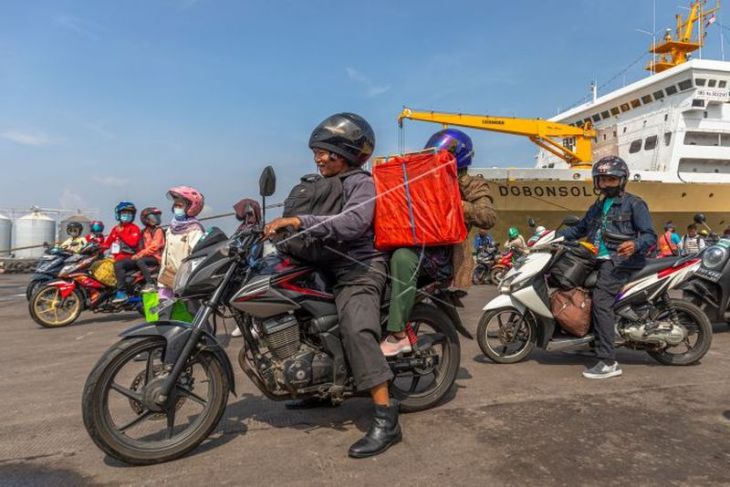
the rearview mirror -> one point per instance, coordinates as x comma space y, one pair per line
531, 223
699, 218
571, 221
267, 182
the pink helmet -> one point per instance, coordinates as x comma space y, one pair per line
192, 196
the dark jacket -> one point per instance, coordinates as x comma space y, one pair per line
628, 216
353, 226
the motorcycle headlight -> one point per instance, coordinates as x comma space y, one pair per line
714, 257
183, 274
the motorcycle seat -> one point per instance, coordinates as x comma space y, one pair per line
655, 265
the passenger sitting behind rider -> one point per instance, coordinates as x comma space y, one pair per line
153, 241
341, 144
626, 215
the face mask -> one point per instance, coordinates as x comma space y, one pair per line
179, 213
126, 217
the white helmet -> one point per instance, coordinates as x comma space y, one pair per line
539, 230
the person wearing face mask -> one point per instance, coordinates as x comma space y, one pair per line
153, 241
183, 233
96, 234
614, 215
122, 243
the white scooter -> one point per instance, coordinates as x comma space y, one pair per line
672, 331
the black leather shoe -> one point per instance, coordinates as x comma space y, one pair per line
310, 403
384, 432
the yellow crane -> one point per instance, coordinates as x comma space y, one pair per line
575, 148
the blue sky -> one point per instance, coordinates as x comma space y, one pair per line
109, 100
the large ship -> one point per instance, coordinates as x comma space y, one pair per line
672, 128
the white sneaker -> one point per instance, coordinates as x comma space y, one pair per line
602, 370
236, 332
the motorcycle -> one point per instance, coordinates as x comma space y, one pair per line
672, 331
709, 287
47, 269
486, 257
60, 302
292, 349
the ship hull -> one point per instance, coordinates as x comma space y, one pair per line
549, 201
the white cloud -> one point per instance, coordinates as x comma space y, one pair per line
110, 181
72, 201
25, 138
371, 89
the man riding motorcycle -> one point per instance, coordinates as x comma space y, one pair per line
614, 215
341, 144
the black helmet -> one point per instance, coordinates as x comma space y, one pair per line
610, 166
347, 135
74, 228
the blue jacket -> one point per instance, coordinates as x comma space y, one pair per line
628, 216
485, 241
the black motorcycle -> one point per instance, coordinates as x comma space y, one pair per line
169, 404
486, 256
49, 265
709, 287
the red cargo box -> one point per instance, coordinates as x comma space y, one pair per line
418, 201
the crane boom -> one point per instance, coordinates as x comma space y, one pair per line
540, 132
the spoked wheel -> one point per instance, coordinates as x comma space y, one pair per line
120, 413
50, 310
497, 274
423, 387
699, 335
480, 275
506, 336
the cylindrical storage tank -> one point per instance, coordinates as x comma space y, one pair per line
34, 229
6, 226
83, 220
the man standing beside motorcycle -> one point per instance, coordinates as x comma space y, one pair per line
614, 216
341, 144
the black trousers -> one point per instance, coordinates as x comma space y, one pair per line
144, 264
121, 268
357, 295
610, 281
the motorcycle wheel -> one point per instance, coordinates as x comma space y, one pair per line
141, 436
49, 310
479, 274
436, 381
511, 340
497, 274
33, 287
698, 326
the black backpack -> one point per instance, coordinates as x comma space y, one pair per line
319, 196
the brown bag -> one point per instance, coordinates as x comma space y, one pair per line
572, 310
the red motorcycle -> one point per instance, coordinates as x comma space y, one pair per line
60, 302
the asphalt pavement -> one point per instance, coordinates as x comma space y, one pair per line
533, 423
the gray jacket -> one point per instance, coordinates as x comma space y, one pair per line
353, 226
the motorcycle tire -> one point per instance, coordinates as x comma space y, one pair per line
98, 421
39, 316
501, 357
34, 286
449, 361
497, 274
703, 328
480, 273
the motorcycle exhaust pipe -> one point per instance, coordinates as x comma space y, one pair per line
570, 344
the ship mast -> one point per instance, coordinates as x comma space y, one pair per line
674, 51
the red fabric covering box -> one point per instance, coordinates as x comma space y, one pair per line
418, 201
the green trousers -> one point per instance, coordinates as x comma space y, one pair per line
403, 278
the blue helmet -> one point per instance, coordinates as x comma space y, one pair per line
124, 206
456, 142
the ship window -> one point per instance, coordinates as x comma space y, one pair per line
658, 95
671, 90
700, 82
635, 146
587, 120
715, 166
604, 136
725, 140
580, 123
624, 131
596, 118
646, 99
614, 111
722, 84
698, 103
667, 138
666, 117
650, 143
685, 85
711, 83
605, 115
708, 139
635, 103
625, 107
